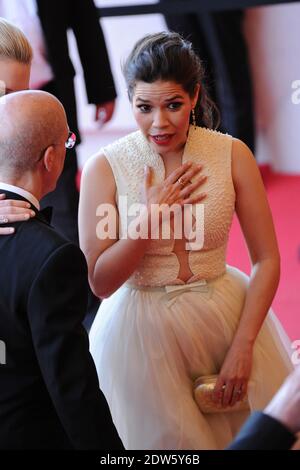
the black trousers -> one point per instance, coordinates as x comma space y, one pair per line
219, 40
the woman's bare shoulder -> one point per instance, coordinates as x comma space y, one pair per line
240, 151
97, 168
98, 161
243, 162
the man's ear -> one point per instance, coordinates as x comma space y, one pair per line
49, 158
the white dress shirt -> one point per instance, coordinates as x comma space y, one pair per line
22, 192
23, 13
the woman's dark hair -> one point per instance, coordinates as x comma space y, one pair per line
167, 56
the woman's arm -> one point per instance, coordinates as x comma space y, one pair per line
255, 217
111, 261
256, 221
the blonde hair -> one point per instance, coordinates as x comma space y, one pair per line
13, 43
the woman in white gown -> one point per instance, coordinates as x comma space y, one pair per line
172, 309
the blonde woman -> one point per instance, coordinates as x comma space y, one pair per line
15, 58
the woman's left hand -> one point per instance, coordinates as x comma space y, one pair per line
234, 375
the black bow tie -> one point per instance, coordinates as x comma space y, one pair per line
46, 214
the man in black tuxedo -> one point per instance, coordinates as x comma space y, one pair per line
49, 391
277, 426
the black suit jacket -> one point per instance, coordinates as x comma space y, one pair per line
81, 16
49, 391
261, 432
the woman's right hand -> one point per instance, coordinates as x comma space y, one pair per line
177, 188
13, 211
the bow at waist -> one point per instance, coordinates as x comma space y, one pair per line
172, 291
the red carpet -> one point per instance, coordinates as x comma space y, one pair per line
284, 198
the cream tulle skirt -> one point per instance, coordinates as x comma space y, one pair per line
149, 347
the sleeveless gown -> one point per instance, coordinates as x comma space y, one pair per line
156, 334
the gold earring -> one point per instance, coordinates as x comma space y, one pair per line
194, 118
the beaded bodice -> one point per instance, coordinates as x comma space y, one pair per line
160, 265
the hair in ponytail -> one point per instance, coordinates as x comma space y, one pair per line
167, 56
13, 43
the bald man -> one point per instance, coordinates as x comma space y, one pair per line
49, 391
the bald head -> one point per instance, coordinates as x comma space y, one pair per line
30, 121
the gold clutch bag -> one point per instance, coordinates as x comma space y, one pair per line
203, 390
